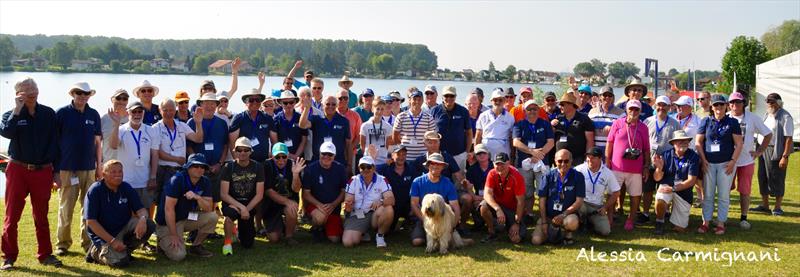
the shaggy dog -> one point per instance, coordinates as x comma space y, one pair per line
440, 223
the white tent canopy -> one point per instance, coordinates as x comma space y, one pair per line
780, 75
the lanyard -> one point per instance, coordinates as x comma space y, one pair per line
364, 192
138, 144
679, 164
560, 185
255, 124
685, 121
717, 129
377, 133
532, 128
172, 136
659, 129
595, 179
316, 104
285, 167
411, 116
631, 139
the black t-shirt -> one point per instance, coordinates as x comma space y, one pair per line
242, 180
574, 130
280, 180
477, 176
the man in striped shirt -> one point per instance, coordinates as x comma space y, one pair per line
411, 125
603, 115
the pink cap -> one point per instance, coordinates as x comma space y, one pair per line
633, 104
525, 89
736, 96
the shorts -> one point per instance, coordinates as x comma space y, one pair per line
680, 208
632, 182
273, 214
600, 223
744, 178
532, 180
146, 196
650, 185
333, 224
353, 223
510, 214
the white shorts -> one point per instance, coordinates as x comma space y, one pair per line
680, 208
632, 182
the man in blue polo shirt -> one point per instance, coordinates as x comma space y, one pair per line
399, 173
453, 123
323, 192
254, 125
79, 142
676, 172
145, 92
559, 201
533, 138
114, 233
331, 127
285, 128
215, 140
186, 205
431, 182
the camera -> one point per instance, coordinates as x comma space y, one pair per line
632, 153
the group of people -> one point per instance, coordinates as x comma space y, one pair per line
362, 162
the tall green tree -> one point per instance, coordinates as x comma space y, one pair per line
200, 64
384, 63
742, 56
163, 54
783, 39
598, 67
510, 71
61, 55
584, 69
7, 51
356, 62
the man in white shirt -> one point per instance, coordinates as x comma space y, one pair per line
600, 183
137, 146
368, 205
119, 100
751, 125
494, 126
172, 141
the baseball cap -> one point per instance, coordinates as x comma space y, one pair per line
366, 160
480, 148
773, 97
431, 88
550, 94
736, 96
498, 93
525, 89
718, 98
663, 99
308, 72
585, 88
135, 105
477, 91
684, 101
595, 151
501, 158
449, 90
368, 92
606, 89
280, 148
633, 104
416, 93
398, 148
327, 147
181, 96
528, 103
119, 92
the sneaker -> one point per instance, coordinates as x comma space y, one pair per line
227, 250
666, 216
149, 248
777, 212
51, 260
89, 259
365, 237
380, 242
642, 219
659, 228
760, 208
290, 242
464, 232
318, 235
199, 250
744, 225
7, 265
261, 233
629, 225
60, 252
489, 238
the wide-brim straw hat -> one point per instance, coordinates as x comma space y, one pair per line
145, 84
82, 86
569, 97
635, 83
254, 92
345, 79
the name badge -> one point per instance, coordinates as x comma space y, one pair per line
288, 143
411, 141
193, 216
359, 214
74, 180
714, 147
557, 207
532, 144
563, 139
328, 139
139, 162
254, 142
209, 146
480, 192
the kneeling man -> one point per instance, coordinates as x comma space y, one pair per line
368, 204
676, 173
559, 201
600, 183
504, 200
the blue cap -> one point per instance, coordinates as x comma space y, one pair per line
367, 92
585, 88
280, 148
416, 93
387, 98
718, 98
196, 159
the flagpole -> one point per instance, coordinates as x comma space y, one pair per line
694, 87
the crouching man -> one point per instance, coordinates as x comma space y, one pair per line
559, 201
185, 206
676, 173
109, 204
368, 203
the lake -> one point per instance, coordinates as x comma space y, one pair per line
53, 88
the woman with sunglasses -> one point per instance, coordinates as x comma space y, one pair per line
368, 204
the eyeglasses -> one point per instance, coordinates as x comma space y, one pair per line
125, 98
343, 98
330, 104
146, 90
242, 150
550, 100
288, 103
137, 111
316, 87
223, 100
280, 157
197, 166
701, 99
428, 93
253, 100
81, 93
532, 109
608, 96
562, 161
365, 166
327, 154
449, 96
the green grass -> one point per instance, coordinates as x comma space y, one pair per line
497, 259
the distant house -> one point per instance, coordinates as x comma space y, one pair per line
546, 77
224, 66
90, 64
160, 63
35, 62
468, 74
407, 73
179, 66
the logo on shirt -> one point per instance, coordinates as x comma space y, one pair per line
337, 127
123, 200
320, 179
456, 117
262, 126
89, 122
22, 122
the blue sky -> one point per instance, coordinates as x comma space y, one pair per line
464, 34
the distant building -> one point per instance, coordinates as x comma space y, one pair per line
224, 66
90, 64
35, 62
180, 66
160, 63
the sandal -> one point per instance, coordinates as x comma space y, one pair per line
703, 229
719, 230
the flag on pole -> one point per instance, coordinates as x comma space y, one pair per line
733, 89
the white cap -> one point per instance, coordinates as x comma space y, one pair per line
498, 93
327, 147
431, 88
684, 100
366, 160
663, 99
528, 103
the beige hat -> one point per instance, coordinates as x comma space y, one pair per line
635, 83
480, 148
449, 90
82, 86
679, 135
345, 79
243, 142
432, 135
208, 96
253, 92
570, 98
435, 158
145, 84
118, 93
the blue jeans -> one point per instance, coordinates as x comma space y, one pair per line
716, 182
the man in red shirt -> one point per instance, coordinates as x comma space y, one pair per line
504, 200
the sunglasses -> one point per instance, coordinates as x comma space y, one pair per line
197, 166
268, 106
365, 166
608, 95
718, 105
701, 99
449, 96
253, 100
288, 103
327, 154
146, 90
137, 111
510, 96
288, 83
342, 98
330, 104
637, 89
635, 110
532, 109
223, 100
280, 157
179, 103
242, 150
388, 101
550, 100
429, 93
562, 161
125, 98
316, 87
208, 88
81, 93
736, 102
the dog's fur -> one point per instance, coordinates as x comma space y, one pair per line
440, 223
